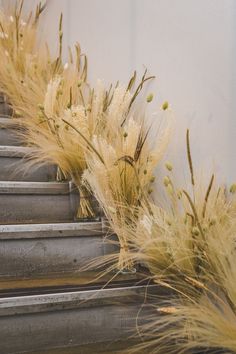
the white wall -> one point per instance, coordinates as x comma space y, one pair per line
188, 44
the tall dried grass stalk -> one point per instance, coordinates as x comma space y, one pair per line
189, 248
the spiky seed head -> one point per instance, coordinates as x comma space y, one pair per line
145, 172
149, 98
165, 106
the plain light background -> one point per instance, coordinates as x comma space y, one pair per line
189, 45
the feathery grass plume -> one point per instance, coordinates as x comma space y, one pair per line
18, 50
190, 249
201, 314
27, 65
120, 173
29, 72
92, 117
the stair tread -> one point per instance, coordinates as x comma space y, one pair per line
15, 187
52, 230
72, 299
7, 121
81, 279
14, 151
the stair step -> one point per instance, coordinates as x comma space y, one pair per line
56, 230
12, 166
37, 202
5, 108
31, 251
70, 282
66, 320
7, 134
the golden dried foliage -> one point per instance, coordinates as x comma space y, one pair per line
189, 248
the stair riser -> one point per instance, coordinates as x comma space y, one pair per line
47, 257
12, 170
68, 328
7, 137
5, 109
15, 208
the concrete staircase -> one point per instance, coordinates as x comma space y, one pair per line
47, 304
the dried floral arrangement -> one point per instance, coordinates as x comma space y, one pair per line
97, 137
102, 143
27, 65
189, 248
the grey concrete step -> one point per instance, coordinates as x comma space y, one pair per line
12, 166
5, 108
47, 250
70, 319
7, 134
37, 202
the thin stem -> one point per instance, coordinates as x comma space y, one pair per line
207, 195
190, 157
86, 140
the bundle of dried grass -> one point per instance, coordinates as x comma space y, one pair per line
96, 127
190, 249
121, 172
27, 65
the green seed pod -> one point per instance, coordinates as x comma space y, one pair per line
152, 179
166, 181
149, 98
195, 231
168, 222
169, 167
41, 107
233, 188
165, 106
179, 194
170, 189
89, 108
212, 222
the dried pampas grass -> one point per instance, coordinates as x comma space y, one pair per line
27, 66
189, 248
122, 174
97, 130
